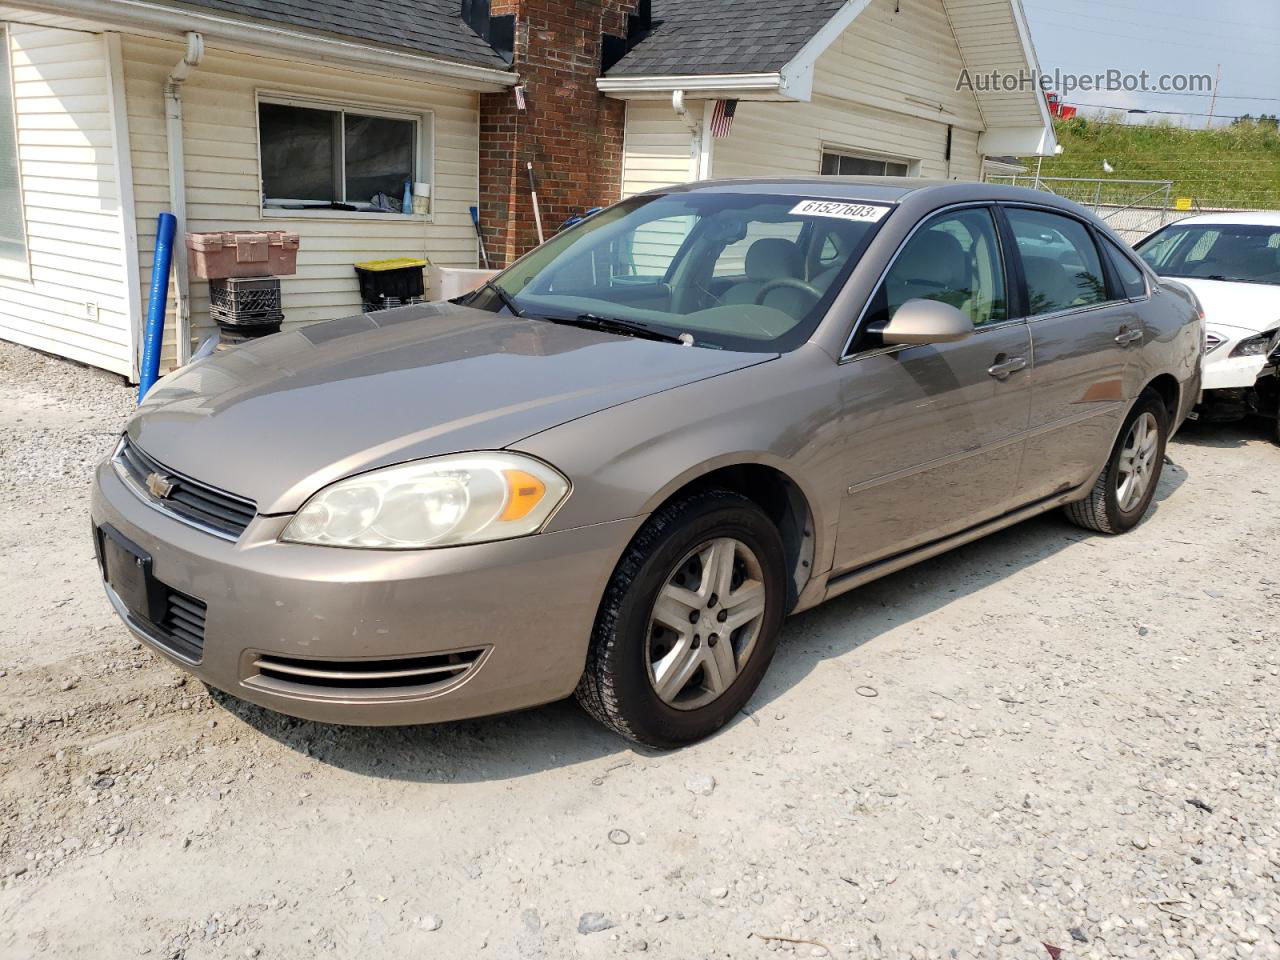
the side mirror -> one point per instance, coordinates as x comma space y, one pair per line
926, 321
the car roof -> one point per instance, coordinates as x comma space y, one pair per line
928, 192
1264, 218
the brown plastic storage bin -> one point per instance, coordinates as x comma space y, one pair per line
242, 253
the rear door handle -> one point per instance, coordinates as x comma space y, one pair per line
1001, 369
1126, 336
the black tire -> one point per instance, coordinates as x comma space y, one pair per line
615, 687
1100, 511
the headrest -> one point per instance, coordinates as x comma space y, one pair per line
1047, 283
936, 256
771, 258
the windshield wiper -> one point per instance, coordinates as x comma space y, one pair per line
508, 301
630, 328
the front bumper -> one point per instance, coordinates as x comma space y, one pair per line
521, 610
1231, 373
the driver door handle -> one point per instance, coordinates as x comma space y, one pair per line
1001, 369
1127, 336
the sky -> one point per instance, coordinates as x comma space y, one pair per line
1165, 37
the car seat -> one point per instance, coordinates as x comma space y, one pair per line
768, 259
933, 266
1048, 285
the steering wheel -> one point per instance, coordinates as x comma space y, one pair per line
790, 282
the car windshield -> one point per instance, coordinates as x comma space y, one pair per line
1246, 253
735, 271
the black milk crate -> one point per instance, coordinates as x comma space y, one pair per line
247, 296
244, 317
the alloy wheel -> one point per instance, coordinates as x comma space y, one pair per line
1137, 461
704, 623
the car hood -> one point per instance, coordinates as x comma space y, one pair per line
1254, 307
279, 418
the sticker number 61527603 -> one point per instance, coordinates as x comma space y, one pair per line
839, 210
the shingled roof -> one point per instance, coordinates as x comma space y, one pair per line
707, 37
433, 28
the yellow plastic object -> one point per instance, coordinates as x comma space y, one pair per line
402, 263
524, 492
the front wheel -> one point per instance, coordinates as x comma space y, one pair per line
1125, 488
689, 621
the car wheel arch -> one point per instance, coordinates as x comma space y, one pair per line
793, 509
1170, 391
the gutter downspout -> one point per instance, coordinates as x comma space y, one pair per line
178, 188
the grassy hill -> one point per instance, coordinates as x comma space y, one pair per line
1236, 166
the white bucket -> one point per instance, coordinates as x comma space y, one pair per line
450, 282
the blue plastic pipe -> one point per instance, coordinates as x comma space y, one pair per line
153, 335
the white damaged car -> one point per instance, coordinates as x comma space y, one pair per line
1232, 263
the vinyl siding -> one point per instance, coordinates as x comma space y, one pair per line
75, 303
656, 148
220, 140
871, 94
988, 30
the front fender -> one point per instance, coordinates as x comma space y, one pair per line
785, 414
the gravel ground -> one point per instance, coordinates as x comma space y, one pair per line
1045, 742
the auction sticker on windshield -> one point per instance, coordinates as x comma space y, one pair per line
863, 212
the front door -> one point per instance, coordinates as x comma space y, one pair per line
935, 431
1085, 335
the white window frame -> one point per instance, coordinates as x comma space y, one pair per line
15, 267
423, 151
856, 153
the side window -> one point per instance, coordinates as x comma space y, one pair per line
1059, 259
1158, 248
1132, 279
955, 258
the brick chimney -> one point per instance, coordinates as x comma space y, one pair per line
571, 132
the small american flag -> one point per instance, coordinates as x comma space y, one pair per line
722, 118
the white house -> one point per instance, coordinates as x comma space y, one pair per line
284, 115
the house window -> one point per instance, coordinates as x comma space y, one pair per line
13, 241
319, 157
838, 164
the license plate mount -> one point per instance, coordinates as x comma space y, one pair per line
127, 569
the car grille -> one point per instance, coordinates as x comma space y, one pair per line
213, 510
181, 627
370, 679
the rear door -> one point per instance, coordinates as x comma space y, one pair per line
935, 432
1086, 334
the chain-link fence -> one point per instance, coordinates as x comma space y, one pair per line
1132, 208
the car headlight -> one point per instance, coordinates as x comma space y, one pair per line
441, 502
1255, 346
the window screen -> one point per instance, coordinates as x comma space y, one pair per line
850, 165
13, 245
320, 156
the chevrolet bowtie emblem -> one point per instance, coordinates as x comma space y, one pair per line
159, 485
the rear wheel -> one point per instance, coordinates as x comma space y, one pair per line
1124, 490
688, 623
